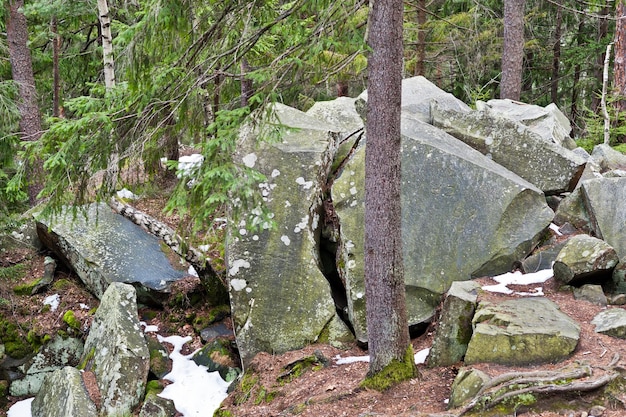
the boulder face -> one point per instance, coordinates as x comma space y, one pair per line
584, 258
280, 300
116, 351
611, 322
520, 332
551, 167
448, 200
63, 394
104, 247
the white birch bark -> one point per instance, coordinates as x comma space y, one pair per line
107, 44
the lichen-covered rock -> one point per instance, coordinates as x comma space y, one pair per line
104, 247
572, 210
63, 394
584, 258
604, 199
611, 322
592, 293
417, 95
280, 299
520, 332
463, 216
155, 406
116, 351
455, 324
608, 158
217, 356
160, 363
467, 383
55, 355
548, 122
551, 167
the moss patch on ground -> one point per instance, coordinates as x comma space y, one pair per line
394, 373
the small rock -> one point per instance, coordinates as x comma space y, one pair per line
592, 293
597, 411
618, 300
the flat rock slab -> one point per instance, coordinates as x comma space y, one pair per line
104, 247
520, 332
611, 322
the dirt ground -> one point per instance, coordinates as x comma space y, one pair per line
326, 389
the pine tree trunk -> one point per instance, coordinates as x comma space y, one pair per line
513, 51
619, 66
384, 274
421, 38
56, 78
107, 44
556, 56
603, 29
22, 69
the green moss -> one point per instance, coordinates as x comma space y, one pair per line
87, 361
153, 387
61, 284
26, 288
392, 374
265, 396
620, 148
70, 319
13, 272
246, 386
15, 343
222, 413
297, 368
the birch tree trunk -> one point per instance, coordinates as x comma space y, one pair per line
513, 50
387, 323
619, 65
22, 70
107, 44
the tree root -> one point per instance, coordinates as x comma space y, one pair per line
511, 385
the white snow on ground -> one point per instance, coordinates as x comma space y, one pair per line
21, 408
53, 301
420, 357
195, 392
517, 278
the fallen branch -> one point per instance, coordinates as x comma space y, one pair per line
508, 386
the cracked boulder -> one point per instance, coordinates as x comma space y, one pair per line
585, 258
280, 299
463, 216
521, 331
549, 166
116, 351
104, 247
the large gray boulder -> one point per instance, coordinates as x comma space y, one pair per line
417, 95
463, 216
455, 324
548, 122
116, 351
57, 354
520, 332
608, 158
584, 258
611, 322
280, 300
604, 200
551, 167
63, 394
104, 247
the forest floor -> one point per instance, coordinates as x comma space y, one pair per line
326, 389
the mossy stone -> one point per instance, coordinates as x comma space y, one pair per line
394, 373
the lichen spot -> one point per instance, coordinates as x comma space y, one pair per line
275, 173
249, 160
305, 184
285, 240
238, 263
353, 191
238, 284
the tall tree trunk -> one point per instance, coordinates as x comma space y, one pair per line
56, 78
513, 51
556, 56
574, 112
246, 83
603, 29
619, 65
107, 44
22, 69
387, 323
421, 37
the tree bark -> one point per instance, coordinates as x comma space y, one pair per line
556, 56
387, 326
603, 29
56, 78
513, 50
619, 65
107, 44
22, 69
421, 38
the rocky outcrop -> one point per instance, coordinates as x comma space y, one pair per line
55, 355
63, 394
104, 247
279, 297
551, 167
455, 324
521, 332
448, 200
116, 351
583, 259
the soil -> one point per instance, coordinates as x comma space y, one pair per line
325, 389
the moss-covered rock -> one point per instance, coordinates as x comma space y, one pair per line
584, 258
466, 385
520, 332
392, 374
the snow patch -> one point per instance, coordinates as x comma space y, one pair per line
517, 278
52, 301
